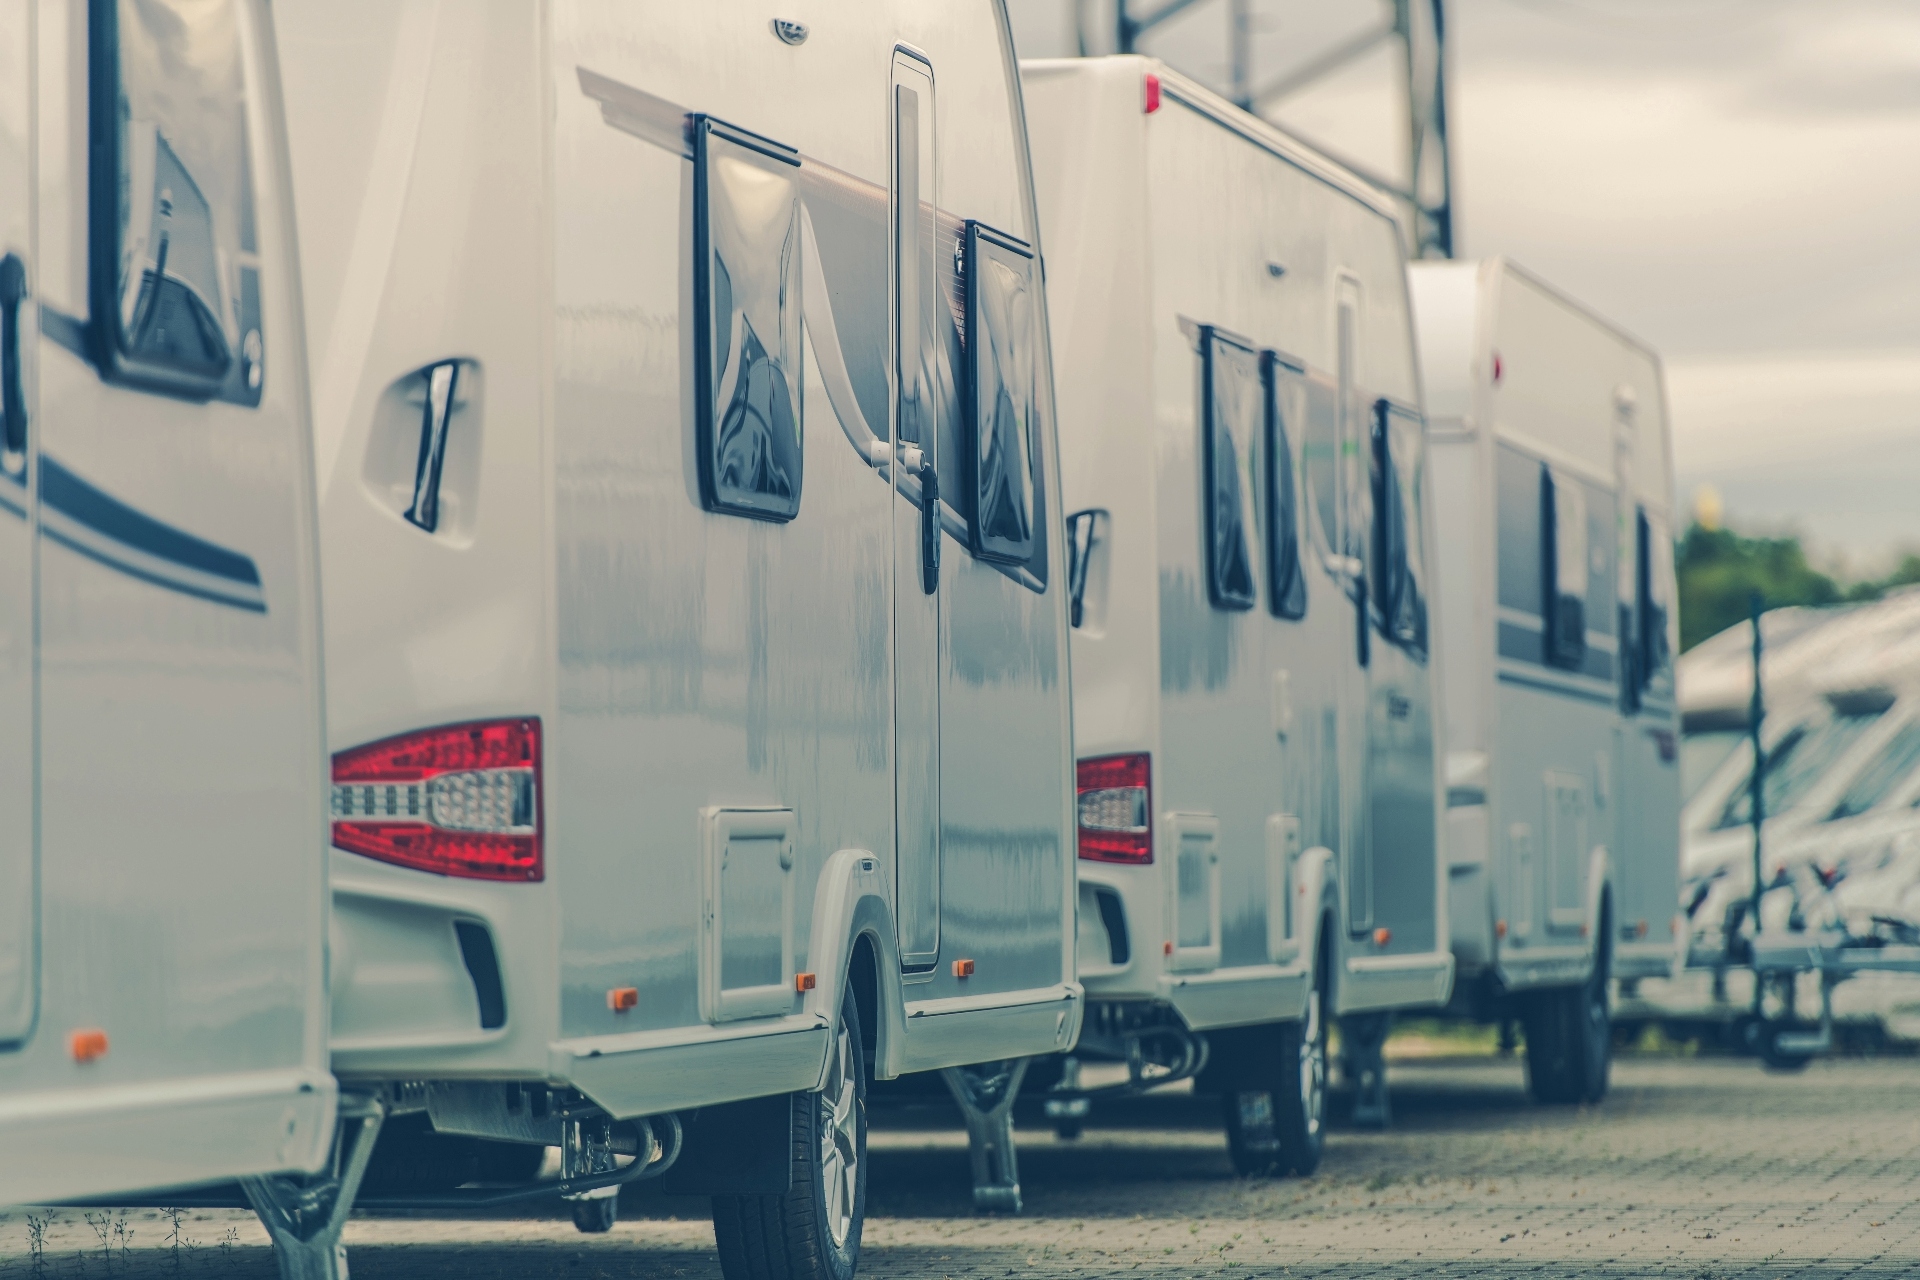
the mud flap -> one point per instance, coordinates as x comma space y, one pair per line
737, 1148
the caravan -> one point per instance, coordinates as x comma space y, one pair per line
695, 589
162, 758
1553, 495
1254, 702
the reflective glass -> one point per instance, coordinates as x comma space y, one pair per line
753, 459
1794, 763
1002, 335
1286, 586
1895, 763
1235, 413
184, 310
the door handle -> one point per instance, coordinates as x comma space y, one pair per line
929, 528
1365, 650
13, 401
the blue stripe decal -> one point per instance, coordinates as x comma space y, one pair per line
71, 496
94, 523
1551, 686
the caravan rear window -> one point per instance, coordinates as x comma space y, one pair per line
747, 338
175, 267
1232, 413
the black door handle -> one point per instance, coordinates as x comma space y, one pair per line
1365, 652
929, 529
13, 401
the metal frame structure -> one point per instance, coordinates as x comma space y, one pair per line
1420, 28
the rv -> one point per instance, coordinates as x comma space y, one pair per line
1255, 710
163, 904
695, 589
1552, 489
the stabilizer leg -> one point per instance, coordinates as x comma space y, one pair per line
985, 1092
1363, 1042
305, 1216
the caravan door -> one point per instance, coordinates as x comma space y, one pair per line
181, 770
917, 475
19, 895
1355, 522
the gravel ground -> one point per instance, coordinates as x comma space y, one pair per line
1692, 1168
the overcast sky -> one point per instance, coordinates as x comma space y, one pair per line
1737, 181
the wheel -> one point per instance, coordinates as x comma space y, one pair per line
596, 1216
1281, 1128
1570, 1040
1762, 1036
811, 1231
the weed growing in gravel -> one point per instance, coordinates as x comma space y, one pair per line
37, 1245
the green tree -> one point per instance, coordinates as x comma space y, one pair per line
1720, 569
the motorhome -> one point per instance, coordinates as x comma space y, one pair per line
1552, 487
162, 763
694, 587
1255, 709
1841, 737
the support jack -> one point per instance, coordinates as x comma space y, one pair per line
305, 1216
985, 1093
1363, 1060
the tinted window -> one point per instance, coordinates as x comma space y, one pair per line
1795, 763
1233, 413
1400, 552
1895, 763
1563, 519
1286, 586
1002, 340
1654, 572
747, 285
175, 270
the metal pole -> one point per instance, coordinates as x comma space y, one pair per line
1757, 780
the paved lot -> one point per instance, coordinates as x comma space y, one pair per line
1697, 1169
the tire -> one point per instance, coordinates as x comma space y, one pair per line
596, 1216
1760, 1036
1275, 1110
812, 1230
1570, 1040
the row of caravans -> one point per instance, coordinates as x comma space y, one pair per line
666, 415
1841, 736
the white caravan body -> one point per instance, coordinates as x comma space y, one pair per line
1237, 389
162, 757
1552, 481
606, 373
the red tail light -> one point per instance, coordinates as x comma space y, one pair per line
1116, 810
461, 800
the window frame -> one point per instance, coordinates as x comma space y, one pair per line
703, 130
1219, 593
1398, 594
1563, 616
983, 243
241, 379
1286, 574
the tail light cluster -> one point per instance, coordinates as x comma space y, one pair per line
461, 800
1116, 808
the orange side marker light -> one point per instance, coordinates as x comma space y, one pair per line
88, 1044
1499, 928
1382, 936
963, 968
621, 999
803, 982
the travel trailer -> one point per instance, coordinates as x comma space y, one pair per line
162, 764
1255, 711
695, 589
1552, 489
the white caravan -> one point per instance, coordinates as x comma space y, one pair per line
1254, 707
162, 758
695, 587
1553, 495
